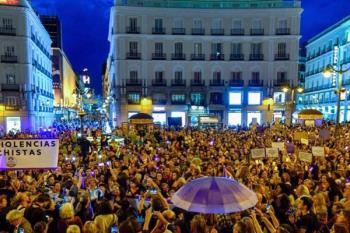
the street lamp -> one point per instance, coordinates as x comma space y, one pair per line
290, 104
327, 72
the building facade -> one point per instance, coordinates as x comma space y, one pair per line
330, 47
194, 58
25, 68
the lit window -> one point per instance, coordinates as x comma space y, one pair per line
234, 118
279, 97
180, 114
254, 98
254, 117
235, 98
159, 118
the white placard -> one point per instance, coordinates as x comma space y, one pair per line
272, 152
258, 153
306, 157
318, 151
304, 141
278, 145
28, 154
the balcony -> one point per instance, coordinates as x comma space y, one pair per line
197, 57
158, 31
217, 82
236, 83
9, 87
9, 59
133, 82
257, 32
237, 32
178, 102
217, 31
256, 83
281, 57
160, 101
197, 82
133, 30
282, 31
281, 83
256, 57
178, 82
236, 57
7, 31
178, 31
159, 82
217, 56
178, 56
133, 55
198, 31
158, 56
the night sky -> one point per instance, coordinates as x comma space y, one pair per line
85, 27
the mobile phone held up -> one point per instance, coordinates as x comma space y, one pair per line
114, 229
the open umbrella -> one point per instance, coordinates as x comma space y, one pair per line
214, 195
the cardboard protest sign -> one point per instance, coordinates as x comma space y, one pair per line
29, 154
305, 157
318, 151
278, 145
299, 135
304, 141
272, 152
258, 153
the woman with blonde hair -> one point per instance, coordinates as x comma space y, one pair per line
90, 227
67, 218
73, 229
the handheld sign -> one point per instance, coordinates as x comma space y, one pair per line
258, 153
272, 152
278, 145
318, 151
29, 154
305, 157
304, 141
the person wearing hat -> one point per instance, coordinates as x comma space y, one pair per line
18, 222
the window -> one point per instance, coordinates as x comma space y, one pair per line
133, 47
254, 117
254, 98
237, 24
217, 75
133, 23
159, 75
10, 79
9, 51
178, 75
255, 76
235, 98
197, 48
158, 23
197, 99
197, 23
281, 49
159, 118
255, 48
182, 115
158, 47
178, 98
281, 76
216, 48
236, 75
197, 76
282, 23
217, 24
216, 98
279, 97
178, 48
133, 75
256, 24
178, 23
12, 101
7, 23
134, 98
236, 48
234, 118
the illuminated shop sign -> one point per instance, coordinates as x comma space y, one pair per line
9, 2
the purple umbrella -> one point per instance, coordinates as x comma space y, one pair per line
214, 195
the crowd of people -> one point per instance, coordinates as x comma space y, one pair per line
103, 186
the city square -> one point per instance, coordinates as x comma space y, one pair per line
174, 116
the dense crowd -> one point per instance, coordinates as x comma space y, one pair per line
104, 186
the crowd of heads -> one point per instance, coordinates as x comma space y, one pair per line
104, 185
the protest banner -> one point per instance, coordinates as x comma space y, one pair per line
299, 135
306, 157
29, 154
304, 141
318, 151
258, 153
278, 145
272, 152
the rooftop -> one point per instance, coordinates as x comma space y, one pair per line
211, 4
